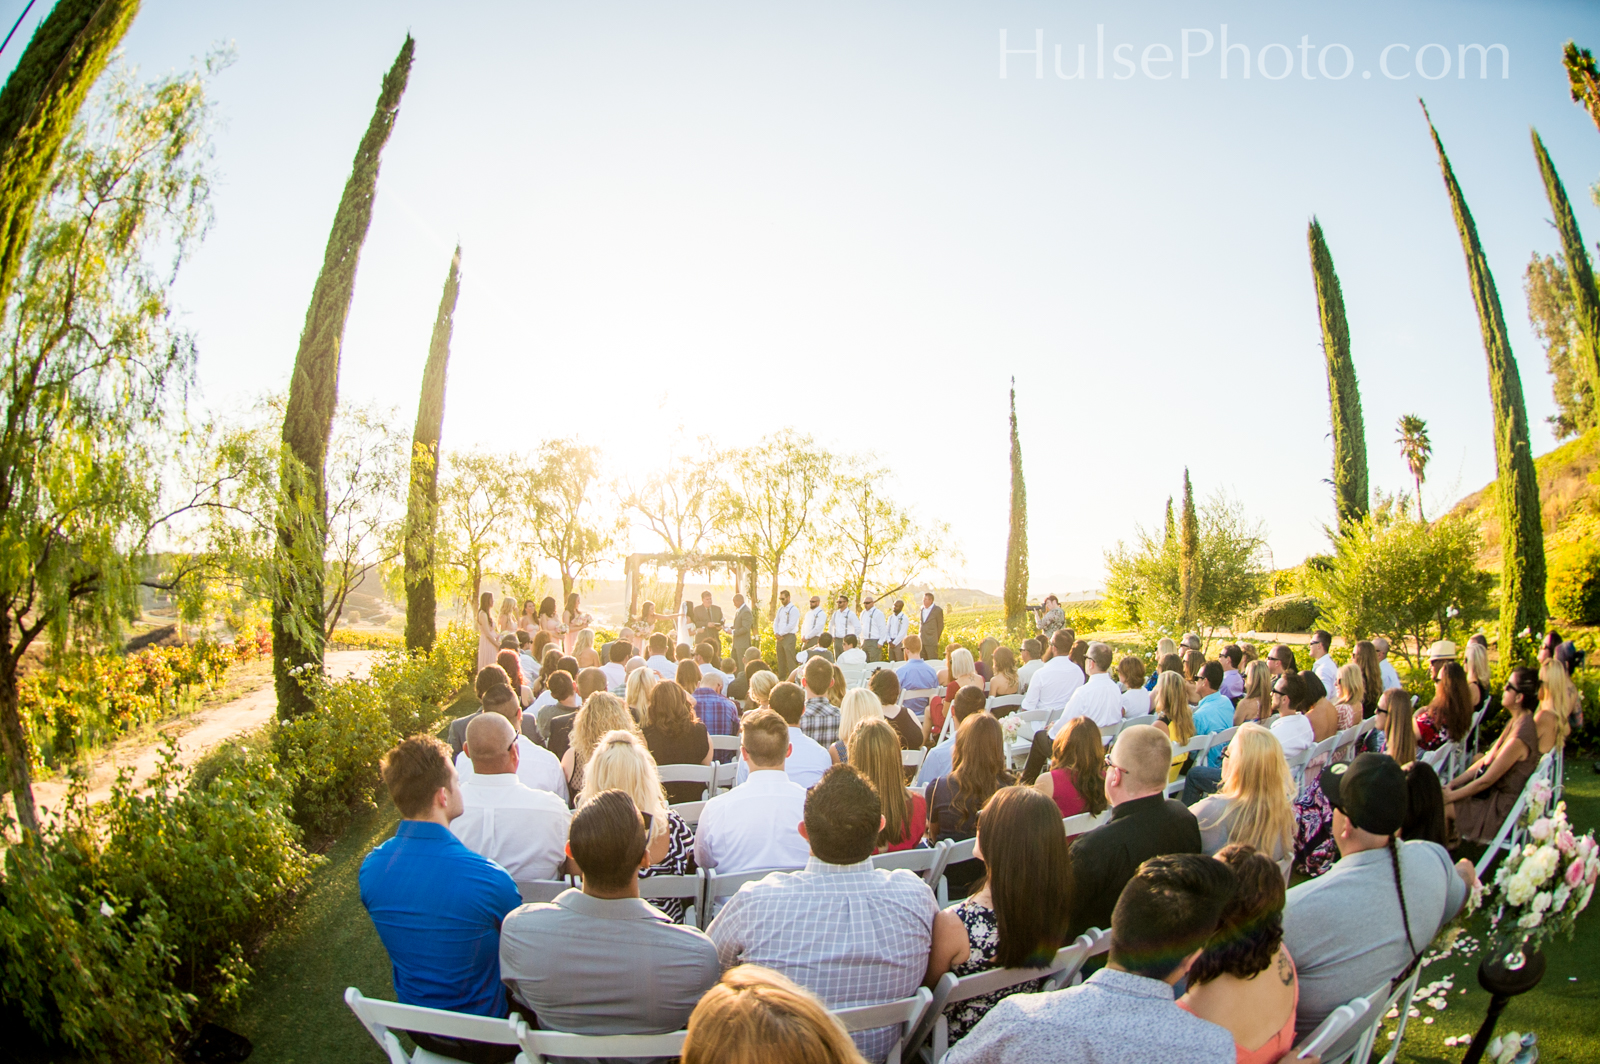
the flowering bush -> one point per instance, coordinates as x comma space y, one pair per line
1544, 885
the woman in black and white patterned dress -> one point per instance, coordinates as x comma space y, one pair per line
622, 761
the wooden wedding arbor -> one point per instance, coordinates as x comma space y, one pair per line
743, 567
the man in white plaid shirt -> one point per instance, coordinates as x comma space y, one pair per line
850, 933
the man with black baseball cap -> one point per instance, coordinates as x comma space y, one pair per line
1369, 917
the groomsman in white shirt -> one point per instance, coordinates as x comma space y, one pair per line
874, 629
897, 625
814, 625
786, 626
843, 621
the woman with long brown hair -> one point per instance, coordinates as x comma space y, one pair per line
1448, 717
1257, 701
1365, 658
675, 737
1395, 725
875, 752
1004, 679
511, 661
688, 676
488, 635
1019, 916
1076, 781
977, 770
1481, 797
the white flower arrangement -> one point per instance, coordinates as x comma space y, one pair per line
1544, 885
1011, 727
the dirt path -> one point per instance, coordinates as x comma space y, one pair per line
197, 734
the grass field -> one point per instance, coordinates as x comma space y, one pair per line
294, 1011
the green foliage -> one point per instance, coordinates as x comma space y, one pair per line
1574, 567
348, 639
1553, 316
1580, 277
1582, 79
1188, 549
1016, 589
422, 505
1344, 393
1284, 613
1395, 576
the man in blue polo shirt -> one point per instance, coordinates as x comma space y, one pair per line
436, 904
1213, 714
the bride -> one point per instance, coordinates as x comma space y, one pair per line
685, 626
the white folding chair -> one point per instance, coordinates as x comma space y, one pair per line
1511, 833
1331, 1029
1077, 825
383, 1018
1017, 754
537, 890
854, 675
913, 758
719, 886
1439, 759
1197, 746
688, 889
726, 742
537, 1046
724, 775
905, 1014
874, 666
1358, 1041
1473, 735
689, 811
705, 775
925, 861
1148, 718
952, 990
1322, 752
954, 852
1001, 702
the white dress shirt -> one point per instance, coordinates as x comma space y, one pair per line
816, 623
853, 656
1327, 671
1135, 702
843, 622
1025, 673
1295, 734
522, 830
925, 609
756, 825
1053, 684
896, 626
658, 664
616, 674
536, 767
808, 760
1391, 678
787, 620
874, 625
1097, 698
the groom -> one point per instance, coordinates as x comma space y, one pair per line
707, 620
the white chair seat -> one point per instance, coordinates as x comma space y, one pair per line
383, 1018
537, 1046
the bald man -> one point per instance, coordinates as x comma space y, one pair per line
521, 829
536, 767
1144, 823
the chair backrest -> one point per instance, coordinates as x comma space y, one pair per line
540, 1045
952, 990
1001, 702
918, 692
725, 774
1435, 759
688, 888
1148, 718
953, 852
705, 775
1077, 825
1358, 1040
874, 666
1032, 716
720, 885
726, 742
536, 890
855, 675
906, 1014
1331, 1029
926, 861
382, 1018
690, 811
1511, 832
913, 758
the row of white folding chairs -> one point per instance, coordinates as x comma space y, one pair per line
1198, 747
383, 1018
714, 778
1512, 833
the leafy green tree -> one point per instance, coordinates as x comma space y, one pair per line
1585, 347
870, 541
477, 501
1189, 576
92, 364
1344, 392
1553, 315
783, 485
1016, 589
1400, 577
1171, 525
422, 499
1583, 79
1522, 577
366, 487
1416, 449
678, 503
298, 600
560, 489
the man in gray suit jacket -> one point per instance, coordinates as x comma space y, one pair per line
932, 628
744, 622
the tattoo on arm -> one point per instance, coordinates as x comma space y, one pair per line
1285, 969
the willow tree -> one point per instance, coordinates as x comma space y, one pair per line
297, 602
1188, 555
422, 502
1016, 593
1344, 392
1522, 575
1580, 276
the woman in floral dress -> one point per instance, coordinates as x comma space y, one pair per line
622, 761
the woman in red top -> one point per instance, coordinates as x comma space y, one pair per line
874, 751
1449, 716
1076, 779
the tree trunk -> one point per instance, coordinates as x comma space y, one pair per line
297, 638
422, 502
1016, 589
1522, 581
1188, 549
1419, 501
1344, 393
14, 745
38, 105
1580, 276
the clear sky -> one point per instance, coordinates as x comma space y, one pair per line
837, 216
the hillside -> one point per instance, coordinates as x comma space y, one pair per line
1569, 497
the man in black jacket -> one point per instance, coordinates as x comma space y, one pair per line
932, 629
1144, 823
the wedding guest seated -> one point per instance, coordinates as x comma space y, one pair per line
1244, 981
739, 687
916, 675
850, 933
1144, 824
977, 770
756, 825
756, 1016
821, 718
1252, 806
718, 714
875, 752
852, 654
1124, 1013
563, 693
886, 685
657, 660
1076, 780
808, 759
1448, 717
488, 676
968, 700
602, 714
1098, 697
1481, 797
1032, 662
1290, 700
621, 762
1135, 698
521, 829
511, 663
1396, 733
1232, 685
1018, 916
1256, 704
857, 706
1374, 872
675, 737
636, 693
708, 659
823, 649
1005, 680
602, 960
536, 767
616, 669
438, 906
1425, 817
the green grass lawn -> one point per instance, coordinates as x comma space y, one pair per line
294, 1010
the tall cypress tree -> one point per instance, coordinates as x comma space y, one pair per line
1580, 276
1522, 575
41, 98
1344, 393
1016, 594
302, 520
1188, 555
422, 505
1171, 526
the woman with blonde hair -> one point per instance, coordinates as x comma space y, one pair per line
875, 753
1252, 806
1257, 701
1170, 703
637, 694
756, 1016
959, 672
1394, 724
1558, 700
583, 649
621, 761
1351, 689
1476, 658
858, 706
507, 620
1165, 647
602, 713
761, 685
837, 688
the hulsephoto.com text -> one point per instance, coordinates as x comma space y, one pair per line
1231, 58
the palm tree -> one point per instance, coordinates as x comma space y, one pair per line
1416, 449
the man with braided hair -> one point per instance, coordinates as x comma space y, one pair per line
1371, 916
